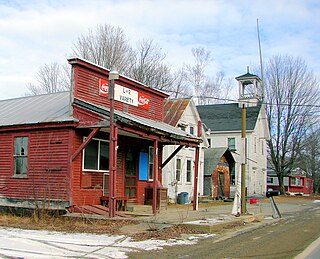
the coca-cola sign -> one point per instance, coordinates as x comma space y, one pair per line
143, 101
125, 95
103, 87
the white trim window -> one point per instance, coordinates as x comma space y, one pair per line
96, 156
189, 171
178, 169
150, 163
232, 144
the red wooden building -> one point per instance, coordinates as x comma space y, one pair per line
297, 183
55, 147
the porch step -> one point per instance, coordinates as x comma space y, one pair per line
137, 208
91, 209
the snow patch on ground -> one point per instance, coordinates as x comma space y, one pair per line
49, 244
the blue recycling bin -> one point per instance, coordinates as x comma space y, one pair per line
183, 198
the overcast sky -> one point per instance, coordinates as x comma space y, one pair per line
33, 33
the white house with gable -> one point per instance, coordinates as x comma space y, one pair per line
178, 174
224, 126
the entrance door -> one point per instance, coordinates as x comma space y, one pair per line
221, 185
130, 183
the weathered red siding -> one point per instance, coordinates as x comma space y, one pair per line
47, 176
87, 88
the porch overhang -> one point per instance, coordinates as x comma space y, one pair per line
143, 127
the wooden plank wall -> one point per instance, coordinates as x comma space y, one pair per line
47, 176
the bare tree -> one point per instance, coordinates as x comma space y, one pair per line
216, 89
291, 92
180, 87
106, 46
196, 72
148, 66
51, 78
309, 157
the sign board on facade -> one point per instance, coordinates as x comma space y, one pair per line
125, 95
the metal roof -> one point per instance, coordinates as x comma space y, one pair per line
173, 110
35, 109
134, 120
228, 117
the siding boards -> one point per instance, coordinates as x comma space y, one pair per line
47, 166
87, 88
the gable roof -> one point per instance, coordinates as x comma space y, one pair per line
228, 117
35, 109
212, 158
173, 110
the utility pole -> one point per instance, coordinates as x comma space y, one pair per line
113, 75
248, 97
244, 157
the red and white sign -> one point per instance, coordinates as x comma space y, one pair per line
103, 87
125, 95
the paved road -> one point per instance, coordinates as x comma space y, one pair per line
284, 238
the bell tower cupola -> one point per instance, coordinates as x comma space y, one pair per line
249, 89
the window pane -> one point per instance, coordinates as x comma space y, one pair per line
20, 165
178, 169
151, 158
232, 144
188, 170
21, 155
191, 130
91, 155
104, 155
21, 146
150, 171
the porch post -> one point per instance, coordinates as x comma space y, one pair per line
195, 182
155, 176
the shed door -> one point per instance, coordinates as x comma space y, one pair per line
130, 183
221, 185
208, 186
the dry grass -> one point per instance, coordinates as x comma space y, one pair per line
65, 224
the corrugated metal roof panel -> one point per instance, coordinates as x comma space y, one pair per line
140, 121
35, 109
173, 110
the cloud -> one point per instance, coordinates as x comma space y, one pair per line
33, 33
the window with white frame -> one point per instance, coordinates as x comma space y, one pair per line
189, 171
151, 162
232, 144
21, 156
296, 181
191, 130
178, 169
269, 179
96, 155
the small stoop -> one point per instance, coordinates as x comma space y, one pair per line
91, 209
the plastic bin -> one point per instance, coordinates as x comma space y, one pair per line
183, 198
